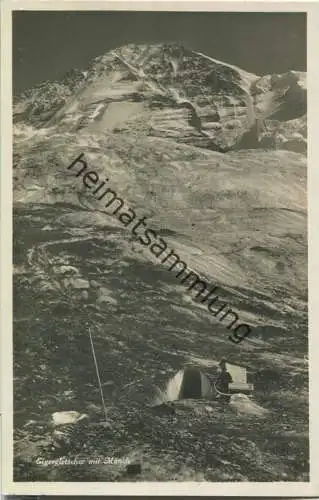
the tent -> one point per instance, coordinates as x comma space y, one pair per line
189, 383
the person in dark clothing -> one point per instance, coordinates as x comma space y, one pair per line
222, 383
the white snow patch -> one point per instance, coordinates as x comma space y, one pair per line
248, 78
67, 417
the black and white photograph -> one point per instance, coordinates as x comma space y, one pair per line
160, 247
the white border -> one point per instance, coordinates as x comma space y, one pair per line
285, 489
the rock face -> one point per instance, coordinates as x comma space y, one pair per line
168, 91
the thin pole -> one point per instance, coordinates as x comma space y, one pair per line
98, 375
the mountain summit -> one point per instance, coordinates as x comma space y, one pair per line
166, 90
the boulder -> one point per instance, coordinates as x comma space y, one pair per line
76, 283
94, 284
104, 297
84, 295
243, 405
71, 270
48, 286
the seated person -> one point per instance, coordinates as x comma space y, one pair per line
222, 383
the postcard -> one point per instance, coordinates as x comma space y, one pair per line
158, 204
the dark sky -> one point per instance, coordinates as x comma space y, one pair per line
47, 44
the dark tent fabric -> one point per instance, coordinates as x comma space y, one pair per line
188, 383
191, 385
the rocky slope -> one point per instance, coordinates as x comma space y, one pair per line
215, 158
